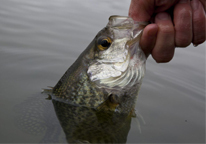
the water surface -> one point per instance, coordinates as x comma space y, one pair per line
39, 40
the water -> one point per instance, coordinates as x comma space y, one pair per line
39, 40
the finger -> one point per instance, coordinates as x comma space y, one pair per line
183, 23
141, 10
204, 4
164, 47
162, 5
199, 20
148, 38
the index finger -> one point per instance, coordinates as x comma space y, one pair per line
143, 10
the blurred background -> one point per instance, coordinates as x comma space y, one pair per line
39, 40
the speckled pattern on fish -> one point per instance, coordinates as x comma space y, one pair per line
109, 72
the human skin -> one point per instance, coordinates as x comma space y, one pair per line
174, 23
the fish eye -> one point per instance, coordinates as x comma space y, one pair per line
104, 43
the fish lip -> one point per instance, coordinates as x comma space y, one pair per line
119, 21
126, 22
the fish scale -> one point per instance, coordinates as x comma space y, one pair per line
84, 124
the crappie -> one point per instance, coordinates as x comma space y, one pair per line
109, 72
94, 100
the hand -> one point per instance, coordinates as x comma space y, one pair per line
176, 23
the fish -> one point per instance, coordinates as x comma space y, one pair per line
94, 100
108, 73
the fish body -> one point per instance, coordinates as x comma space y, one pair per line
108, 74
88, 125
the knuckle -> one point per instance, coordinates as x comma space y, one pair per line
185, 14
167, 29
183, 29
163, 60
199, 32
199, 15
184, 22
183, 41
198, 39
163, 57
199, 22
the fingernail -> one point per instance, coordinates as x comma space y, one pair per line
163, 16
195, 4
195, 45
183, 1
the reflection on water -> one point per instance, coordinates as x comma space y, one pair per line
80, 124
83, 124
36, 116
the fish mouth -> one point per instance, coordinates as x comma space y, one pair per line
135, 28
120, 22
125, 22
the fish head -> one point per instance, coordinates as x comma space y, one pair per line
118, 62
